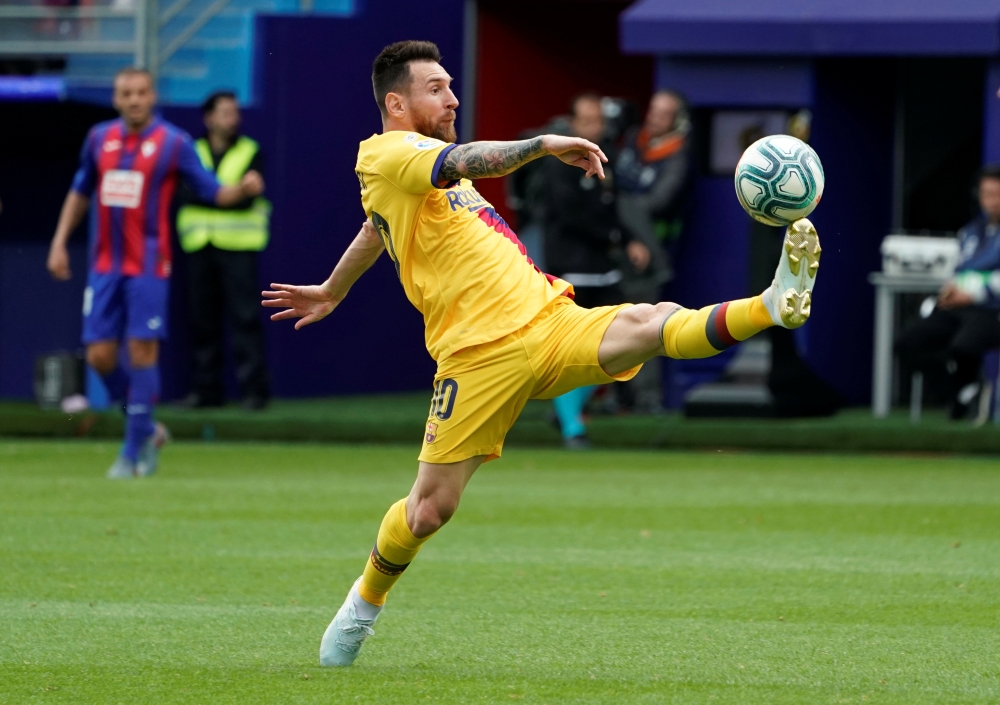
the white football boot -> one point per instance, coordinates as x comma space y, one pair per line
347, 632
121, 469
789, 298
149, 453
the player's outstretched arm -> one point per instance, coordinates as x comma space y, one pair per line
483, 160
74, 208
314, 303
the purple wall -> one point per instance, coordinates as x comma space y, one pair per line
991, 116
813, 28
316, 107
741, 83
853, 134
37, 315
711, 265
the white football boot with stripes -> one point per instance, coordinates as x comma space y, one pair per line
789, 298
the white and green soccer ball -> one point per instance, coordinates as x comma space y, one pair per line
779, 179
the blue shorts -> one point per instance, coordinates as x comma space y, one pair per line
117, 307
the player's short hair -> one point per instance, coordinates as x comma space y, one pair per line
990, 171
586, 95
212, 100
133, 71
391, 70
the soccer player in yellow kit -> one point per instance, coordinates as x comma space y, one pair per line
501, 331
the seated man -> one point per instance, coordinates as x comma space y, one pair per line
965, 323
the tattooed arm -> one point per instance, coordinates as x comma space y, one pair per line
483, 160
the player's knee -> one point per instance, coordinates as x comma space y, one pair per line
648, 318
431, 513
103, 359
143, 353
662, 310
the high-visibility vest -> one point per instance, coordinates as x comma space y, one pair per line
247, 229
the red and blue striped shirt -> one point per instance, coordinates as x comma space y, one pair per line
134, 176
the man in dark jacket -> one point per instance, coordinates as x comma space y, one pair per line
584, 243
653, 176
965, 323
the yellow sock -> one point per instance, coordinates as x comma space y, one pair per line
688, 334
394, 549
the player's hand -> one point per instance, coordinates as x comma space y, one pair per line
576, 151
252, 184
638, 255
58, 263
308, 303
952, 297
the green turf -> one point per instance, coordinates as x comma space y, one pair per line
623, 577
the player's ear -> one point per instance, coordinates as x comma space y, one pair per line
394, 105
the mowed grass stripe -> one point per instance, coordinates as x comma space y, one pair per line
604, 577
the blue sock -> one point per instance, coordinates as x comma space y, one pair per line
144, 388
116, 383
569, 408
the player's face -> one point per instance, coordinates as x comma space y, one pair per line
661, 115
430, 101
134, 98
225, 119
588, 120
989, 198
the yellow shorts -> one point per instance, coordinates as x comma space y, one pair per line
480, 391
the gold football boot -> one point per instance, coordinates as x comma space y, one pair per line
789, 298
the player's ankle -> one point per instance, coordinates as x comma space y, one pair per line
362, 607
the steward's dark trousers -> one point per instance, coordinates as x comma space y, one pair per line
218, 281
953, 341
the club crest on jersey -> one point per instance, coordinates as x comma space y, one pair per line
148, 147
432, 430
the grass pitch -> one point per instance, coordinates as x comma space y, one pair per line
564, 578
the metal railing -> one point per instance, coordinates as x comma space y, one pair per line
119, 27
40, 30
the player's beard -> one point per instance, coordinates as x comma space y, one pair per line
444, 131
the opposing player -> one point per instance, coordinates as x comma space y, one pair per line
501, 331
132, 164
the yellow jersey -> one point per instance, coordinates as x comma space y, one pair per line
459, 263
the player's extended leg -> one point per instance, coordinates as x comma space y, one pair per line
102, 355
143, 437
406, 526
642, 332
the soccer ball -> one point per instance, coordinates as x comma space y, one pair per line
779, 179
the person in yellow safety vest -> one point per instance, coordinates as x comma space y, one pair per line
222, 246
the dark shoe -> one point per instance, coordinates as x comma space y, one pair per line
577, 443
196, 401
255, 403
965, 403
